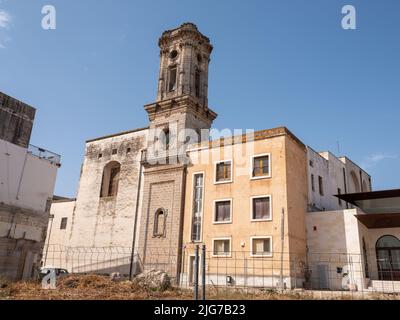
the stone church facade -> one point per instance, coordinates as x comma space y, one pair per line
146, 190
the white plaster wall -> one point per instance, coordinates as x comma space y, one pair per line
336, 232
58, 211
333, 241
26, 181
362, 180
330, 168
100, 222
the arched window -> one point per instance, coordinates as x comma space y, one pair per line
166, 138
356, 183
110, 182
160, 223
388, 258
388, 242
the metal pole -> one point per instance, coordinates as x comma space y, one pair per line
48, 241
203, 274
136, 217
282, 246
196, 274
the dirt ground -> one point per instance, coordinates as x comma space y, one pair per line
93, 287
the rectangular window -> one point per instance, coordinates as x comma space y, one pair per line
172, 79
222, 247
321, 185
222, 211
339, 193
197, 213
261, 166
224, 172
312, 183
261, 246
197, 83
64, 222
261, 208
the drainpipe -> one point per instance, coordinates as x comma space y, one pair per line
282, 247
136, 215
345, 185
48, 240
21, 177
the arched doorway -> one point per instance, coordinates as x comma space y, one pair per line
388, 258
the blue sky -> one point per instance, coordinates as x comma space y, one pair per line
280, 62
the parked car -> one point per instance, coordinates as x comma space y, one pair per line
58, 271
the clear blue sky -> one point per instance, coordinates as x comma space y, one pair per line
280, 62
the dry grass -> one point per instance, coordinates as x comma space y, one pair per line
88, 287
94, 287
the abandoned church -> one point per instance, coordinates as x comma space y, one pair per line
265, 205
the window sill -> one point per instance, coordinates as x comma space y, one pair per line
224, 222
261, 220
221, 256
222, 182
269, 255
260, 178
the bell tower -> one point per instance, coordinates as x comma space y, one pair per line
179, 114
184, 60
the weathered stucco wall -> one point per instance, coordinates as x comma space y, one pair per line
108, 221
61, 209
26, 185
336, 173
16, 120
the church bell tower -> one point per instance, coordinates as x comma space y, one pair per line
184, 60
180, 112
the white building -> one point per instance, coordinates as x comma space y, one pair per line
357, 248
27, 180
330, 176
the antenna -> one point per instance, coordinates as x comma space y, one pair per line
338, 148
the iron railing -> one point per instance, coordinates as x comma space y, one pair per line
44, 154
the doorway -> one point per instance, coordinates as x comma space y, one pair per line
388, 258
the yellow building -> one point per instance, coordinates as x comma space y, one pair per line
246, 199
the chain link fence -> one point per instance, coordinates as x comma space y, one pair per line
240, 271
